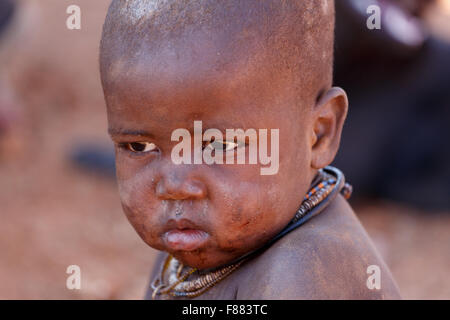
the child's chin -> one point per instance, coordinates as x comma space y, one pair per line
201, 259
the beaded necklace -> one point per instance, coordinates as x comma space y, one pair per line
331, 182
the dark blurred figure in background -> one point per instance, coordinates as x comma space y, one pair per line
395, 141
6, 12
8, 103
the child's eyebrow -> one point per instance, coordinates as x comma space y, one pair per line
128, 132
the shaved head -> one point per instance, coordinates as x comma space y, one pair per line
253, 65
292, 39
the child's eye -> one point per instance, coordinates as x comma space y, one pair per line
223, 146
140, 146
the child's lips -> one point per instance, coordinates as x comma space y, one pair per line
185, 239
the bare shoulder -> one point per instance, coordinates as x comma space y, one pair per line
326, 258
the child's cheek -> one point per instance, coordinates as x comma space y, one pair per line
141, 211
240, 219
125, 192
133, 183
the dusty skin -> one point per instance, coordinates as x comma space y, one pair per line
330, 255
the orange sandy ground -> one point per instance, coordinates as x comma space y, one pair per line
54, 216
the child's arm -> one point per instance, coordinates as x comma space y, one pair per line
327, 258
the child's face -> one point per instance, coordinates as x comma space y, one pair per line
205, 215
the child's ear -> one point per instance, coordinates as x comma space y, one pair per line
328, 116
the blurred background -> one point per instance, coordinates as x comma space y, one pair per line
59, 204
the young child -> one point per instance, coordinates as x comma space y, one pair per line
254, 65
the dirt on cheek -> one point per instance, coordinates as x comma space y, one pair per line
138, 212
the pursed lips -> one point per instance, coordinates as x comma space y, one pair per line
183, 235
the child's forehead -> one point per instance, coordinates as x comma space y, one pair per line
197, 69
164, 91
223, 63
193, 56
195, 91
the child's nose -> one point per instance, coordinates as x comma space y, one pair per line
173, 187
